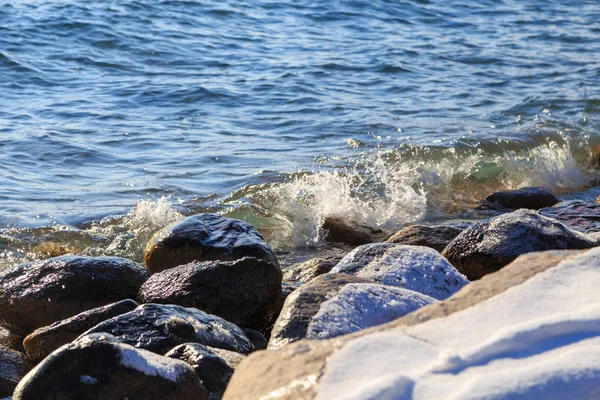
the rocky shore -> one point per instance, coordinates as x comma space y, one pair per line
505, 307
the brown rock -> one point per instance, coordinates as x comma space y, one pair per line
339, 231
436, 237
308, 270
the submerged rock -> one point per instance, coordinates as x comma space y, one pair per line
213, 366
45, 340
13, 366
246, 292
205, 237
100, 367
489, 245
39, 293
532, 198
338, 304
159, 328
436, 237
415, 268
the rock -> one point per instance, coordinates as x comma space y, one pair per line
205, 237
99, 367
415, 268
39, 293
436, 237
308, 270
158, 328
257, 339
246, 292
532, 198
576, 215
491, 244
11, 340
13, 367
339, 231
338, 304
287, 288
213, 366
511, 325
45, 340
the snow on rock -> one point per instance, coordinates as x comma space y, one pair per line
360, 306
417, 268
536, 340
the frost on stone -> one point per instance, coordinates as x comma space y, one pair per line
360, 306
415, 268
536, 340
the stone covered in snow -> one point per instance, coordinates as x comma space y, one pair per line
338, 304
159, 328
205, 237
99, 367
415, 268
491, 244
530, 330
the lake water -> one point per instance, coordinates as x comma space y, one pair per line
117, 117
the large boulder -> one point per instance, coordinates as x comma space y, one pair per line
100, 367
39, 293
415, 268
13, 367
530, 330
213, 366
532, 198
437, 237
159, 328
246, 292
491, 244
205, 237
45, 340
338, 304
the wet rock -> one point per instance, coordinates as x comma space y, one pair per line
338, 304
45, 340
532, 198
159, 328
100, 367
246, 292
11, 340
257, 339
337, 230
13, 366
436, 237
205, 237
213, 366
39, 293
415, 268
305, 370
491, 244
308, 270
576, 215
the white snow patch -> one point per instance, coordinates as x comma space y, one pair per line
537, 340
151, 364
360, 306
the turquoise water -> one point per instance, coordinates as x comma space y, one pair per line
282, 113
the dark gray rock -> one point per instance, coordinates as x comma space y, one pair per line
532, 198
159, 328
45, 340
491, 244
39, 293
246, 292
436, 237
337, 230
213, 366
417, 268
100, 367
205, 237
575, 214
257, 339
308, 270
13, 367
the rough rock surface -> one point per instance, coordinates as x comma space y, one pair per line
100, 367
246, 292
339, 231
13, 366
308, 270
436, 237
159, 328
416, 268
532, 198
45, 340
576, 215
39, 293
491, 244
205, 237
313, 369
213, 366
337, 304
